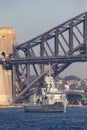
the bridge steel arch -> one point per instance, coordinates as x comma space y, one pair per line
60, 46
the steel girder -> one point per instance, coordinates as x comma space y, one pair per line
60, 46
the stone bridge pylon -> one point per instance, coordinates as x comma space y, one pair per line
7, 38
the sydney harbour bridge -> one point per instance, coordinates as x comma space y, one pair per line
61, 46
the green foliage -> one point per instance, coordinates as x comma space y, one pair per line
73, 86
71, 77
84, 88
62, 87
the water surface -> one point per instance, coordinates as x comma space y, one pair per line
17, 119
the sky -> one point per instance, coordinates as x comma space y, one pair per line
30, 18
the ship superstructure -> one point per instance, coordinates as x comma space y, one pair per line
51, 99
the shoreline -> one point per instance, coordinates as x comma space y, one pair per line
11, 106
77, 106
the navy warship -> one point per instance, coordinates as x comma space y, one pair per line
50, 100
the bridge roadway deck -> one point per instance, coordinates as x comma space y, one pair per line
45, 60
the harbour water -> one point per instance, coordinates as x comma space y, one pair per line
16, 119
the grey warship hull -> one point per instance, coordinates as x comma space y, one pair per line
57, 107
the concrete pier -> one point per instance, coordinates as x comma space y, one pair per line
7, 39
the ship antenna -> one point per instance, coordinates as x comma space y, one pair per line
49, 69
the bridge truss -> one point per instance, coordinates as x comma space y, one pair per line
60, 46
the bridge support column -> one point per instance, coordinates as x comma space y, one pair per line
42, 53
5, 86
71, 37
85, 31
7, 39
13, 82
56, 45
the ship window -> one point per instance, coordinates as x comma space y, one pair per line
45, 98
38, 101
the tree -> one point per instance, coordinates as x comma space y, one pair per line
71, 77
84, 87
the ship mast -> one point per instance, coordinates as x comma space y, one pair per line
49, 71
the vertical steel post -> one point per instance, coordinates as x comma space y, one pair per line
42, 54
27, 66
13, 82
13, 77
56, 45
85, 31
71, 37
